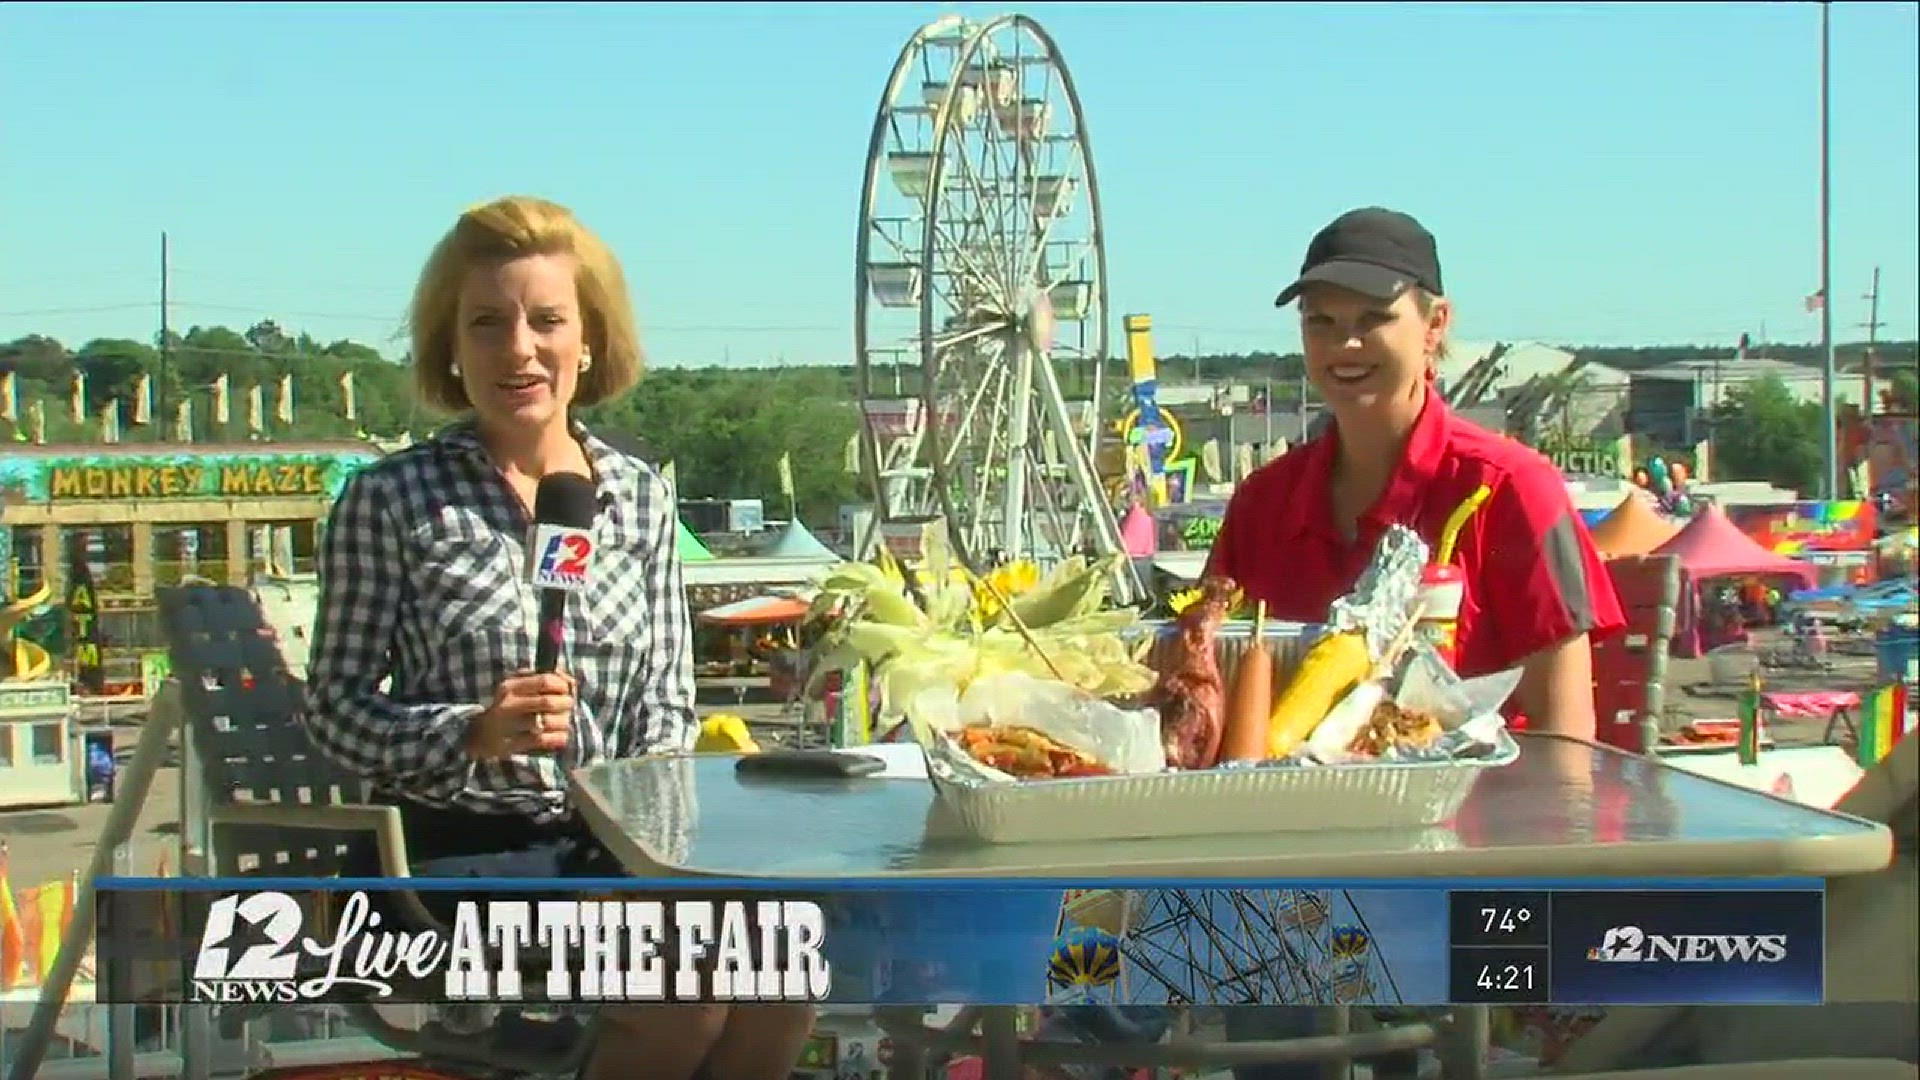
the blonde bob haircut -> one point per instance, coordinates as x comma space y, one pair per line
499, 232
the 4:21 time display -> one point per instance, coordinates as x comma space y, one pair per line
1499, 976
1515, 979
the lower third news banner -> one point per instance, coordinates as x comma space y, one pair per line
244, 941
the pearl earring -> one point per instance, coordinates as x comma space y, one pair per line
586, 360
453, 369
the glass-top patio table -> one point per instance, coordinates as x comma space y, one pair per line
1565, 809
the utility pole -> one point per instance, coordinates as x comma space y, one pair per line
1830, 436
163, 420
1872, 327
1303, 399
1266, 395
1866, 385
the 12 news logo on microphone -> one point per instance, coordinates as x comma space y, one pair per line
561, 557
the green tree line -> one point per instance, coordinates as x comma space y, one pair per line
725, 428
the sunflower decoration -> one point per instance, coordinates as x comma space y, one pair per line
1012, 580
1179, 602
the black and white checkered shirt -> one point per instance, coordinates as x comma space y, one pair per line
422, 582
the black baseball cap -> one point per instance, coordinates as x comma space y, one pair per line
1375, 252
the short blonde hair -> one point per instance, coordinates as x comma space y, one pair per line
1424, 301
507, 229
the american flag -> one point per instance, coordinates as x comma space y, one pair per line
1817, 300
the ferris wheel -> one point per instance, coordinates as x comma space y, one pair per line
981, 298
1217, 947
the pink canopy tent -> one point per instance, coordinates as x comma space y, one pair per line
1711, 546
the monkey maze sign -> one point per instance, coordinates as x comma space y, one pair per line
169, 481
235, 476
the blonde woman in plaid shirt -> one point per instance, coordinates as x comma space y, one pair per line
420, 677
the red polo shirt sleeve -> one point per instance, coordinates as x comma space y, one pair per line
1221, 555
1239, 538
1549, 582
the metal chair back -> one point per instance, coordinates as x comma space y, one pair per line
242, 741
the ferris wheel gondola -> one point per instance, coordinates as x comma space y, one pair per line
981, 298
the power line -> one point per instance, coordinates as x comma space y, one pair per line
98, 309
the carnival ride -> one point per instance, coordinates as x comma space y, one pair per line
980, 288
1216, 947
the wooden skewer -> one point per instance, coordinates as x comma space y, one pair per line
1391, 655
1259, 639
1018, 624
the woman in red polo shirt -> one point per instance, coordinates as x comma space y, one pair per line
1299, 531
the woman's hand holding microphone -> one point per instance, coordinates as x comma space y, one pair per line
531, 714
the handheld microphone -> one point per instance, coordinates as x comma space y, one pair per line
559, 556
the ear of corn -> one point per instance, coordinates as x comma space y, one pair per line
1333, 666
878, 641
875, 594
1099, 622
966, 632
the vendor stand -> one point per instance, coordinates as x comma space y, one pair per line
755, 630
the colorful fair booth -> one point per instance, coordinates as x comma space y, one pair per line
148, 516
1835, 537
88, 534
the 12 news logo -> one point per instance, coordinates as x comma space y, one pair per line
249, 950
1632, 945
561, 557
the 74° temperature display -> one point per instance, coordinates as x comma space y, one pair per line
1498, 918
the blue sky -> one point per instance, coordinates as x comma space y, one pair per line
1595, 174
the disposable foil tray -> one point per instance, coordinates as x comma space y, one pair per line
1270, 798
1276, 797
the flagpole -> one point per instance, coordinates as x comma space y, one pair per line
1829, 422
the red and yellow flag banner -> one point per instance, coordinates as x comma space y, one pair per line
1884, 721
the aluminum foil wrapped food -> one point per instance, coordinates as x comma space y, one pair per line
1382, 599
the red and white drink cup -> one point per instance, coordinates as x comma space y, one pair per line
1443, 589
